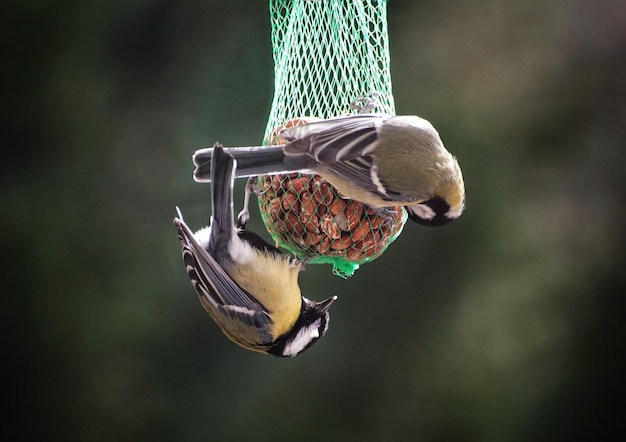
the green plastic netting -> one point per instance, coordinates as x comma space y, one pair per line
328, 55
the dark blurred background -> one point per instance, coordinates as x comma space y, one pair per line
504, 326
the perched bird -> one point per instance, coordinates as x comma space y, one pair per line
379, 160
249, 287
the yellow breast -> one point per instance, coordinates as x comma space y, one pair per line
273, 281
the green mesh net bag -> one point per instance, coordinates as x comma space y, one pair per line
329, 56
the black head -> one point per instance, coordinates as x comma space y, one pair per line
434, 212
308, 329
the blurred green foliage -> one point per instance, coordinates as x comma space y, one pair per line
504, 326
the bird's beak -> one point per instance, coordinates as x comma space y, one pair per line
323, 306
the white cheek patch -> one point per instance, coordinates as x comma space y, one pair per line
454, 214
303, 338
423, 211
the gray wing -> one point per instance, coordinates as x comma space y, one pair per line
335, 139
359, 172
215, 287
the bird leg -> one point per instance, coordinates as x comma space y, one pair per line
244, 215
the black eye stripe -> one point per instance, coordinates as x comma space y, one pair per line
439, 205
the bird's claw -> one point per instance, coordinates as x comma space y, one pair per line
386, 213
366, 103
242, 219
244, 215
